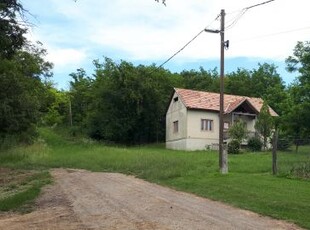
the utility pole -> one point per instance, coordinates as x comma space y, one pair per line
223, 162
70, 113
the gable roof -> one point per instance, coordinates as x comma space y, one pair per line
194, 99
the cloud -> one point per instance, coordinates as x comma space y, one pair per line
147, 31
66, 57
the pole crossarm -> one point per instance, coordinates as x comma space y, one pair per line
212, 31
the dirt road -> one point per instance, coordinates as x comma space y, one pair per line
85, 200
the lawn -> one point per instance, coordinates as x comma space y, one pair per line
249, 184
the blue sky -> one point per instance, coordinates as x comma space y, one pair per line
146, 32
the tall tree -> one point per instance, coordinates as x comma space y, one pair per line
81, 96
239, 83
11, 31
21, 67
130, 103
297, 116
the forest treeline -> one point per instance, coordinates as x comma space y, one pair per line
123, 103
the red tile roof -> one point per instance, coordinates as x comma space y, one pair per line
193, 99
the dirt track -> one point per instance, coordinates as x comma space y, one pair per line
85, 200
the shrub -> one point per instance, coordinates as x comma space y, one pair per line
255, 144
301, 170
284, 144
233, 147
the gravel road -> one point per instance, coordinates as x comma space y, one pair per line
85, 200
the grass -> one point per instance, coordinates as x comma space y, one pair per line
19, 188
249, 185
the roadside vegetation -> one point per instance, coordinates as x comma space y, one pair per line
249, 185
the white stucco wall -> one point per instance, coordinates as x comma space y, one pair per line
201, 139
190, 135
176, 112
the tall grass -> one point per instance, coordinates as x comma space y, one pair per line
249, 185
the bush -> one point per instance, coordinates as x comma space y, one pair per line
283, 144
255, 144
301, 170
233, 147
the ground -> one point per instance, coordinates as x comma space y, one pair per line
89, 200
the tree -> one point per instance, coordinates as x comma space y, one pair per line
239, 83
130, 103
201, 80
238, 131
11, 32
264, 124
81, 96
298, 115
21, 94
22, 65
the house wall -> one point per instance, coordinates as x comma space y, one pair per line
190, 136
176, 112
198, 139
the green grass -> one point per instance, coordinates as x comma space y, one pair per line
249, 184
21, 189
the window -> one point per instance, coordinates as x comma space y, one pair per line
176, 126
226, 125
206, 125
175, 99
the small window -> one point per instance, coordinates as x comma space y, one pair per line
175, 99
176, 126
226, 125
206, 125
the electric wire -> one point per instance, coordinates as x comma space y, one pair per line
187, 44
273, 34
234, 22
243, 11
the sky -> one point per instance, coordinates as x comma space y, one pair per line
147, 32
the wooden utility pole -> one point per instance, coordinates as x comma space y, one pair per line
274, 152
223, 163
70, 113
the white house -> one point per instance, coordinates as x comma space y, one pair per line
192, 118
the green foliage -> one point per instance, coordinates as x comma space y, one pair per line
255, 144
81, 96
201, 80
127, 103
296, 120
239, 83
233, 147
301, 170
11, 33
21, 67
284, 144
56, 109
238, 131
264, 123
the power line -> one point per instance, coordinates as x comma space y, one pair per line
259, 4
180, 50
273, 34
243, 11
189, 42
